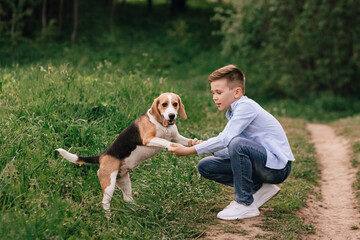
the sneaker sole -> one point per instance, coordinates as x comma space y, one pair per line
247, 215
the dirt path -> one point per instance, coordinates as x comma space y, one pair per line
335, 216
237, 230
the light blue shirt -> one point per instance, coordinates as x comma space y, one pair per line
249, 120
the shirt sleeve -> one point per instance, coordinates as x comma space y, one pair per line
241, 119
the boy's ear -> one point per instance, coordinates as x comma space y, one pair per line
238, 92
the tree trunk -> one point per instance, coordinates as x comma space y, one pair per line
73, 35
112, 14
43, 16
13, 20
61, 8
178, 6
149, 6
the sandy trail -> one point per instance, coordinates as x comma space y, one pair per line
335, 215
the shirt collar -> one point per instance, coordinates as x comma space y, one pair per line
229, 113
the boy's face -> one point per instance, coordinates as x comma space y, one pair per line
223, 96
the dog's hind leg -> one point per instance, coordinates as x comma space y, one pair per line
107, 182
124, 184
109, 168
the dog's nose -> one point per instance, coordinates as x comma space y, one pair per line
171, 116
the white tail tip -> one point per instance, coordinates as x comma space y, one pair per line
69, 156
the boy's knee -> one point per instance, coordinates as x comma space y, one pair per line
202, 168
236, 146
207, 168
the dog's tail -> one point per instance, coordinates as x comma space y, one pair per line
76, 159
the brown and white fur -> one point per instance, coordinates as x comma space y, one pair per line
142, 139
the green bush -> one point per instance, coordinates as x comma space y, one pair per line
293, 48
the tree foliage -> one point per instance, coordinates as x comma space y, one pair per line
298, 47
42, 20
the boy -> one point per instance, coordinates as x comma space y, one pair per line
251, 154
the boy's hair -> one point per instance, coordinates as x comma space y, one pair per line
235, 77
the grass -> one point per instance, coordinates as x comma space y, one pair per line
81, 97
44, 196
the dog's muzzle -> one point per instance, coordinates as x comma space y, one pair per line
171, 120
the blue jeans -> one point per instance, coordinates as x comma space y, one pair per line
245, 170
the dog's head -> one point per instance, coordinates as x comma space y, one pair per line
166, 107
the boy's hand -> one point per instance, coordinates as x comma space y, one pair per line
193, 142
180, 150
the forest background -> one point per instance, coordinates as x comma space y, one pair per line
296, 49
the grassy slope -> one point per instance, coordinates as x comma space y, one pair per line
43, 195
80, 98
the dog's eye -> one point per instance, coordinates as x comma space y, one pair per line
164, 104
175, 104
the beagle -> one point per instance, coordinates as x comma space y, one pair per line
142, 139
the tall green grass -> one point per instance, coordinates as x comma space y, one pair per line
44, 196
80, 98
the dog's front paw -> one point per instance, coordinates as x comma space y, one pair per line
129, 199
168, 145
108, 214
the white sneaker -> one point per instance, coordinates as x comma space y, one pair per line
265, 193
236, 210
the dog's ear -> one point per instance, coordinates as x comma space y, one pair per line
182, 110
155, 110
